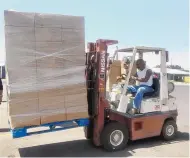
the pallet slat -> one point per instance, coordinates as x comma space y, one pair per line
63, 125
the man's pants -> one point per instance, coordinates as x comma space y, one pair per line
139, 90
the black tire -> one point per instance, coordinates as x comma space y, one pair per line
167, 135
106, 135
88, 131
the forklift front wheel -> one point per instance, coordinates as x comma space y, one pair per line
114, 137
88, 132
169, 130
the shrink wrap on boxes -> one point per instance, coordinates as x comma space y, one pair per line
45, 64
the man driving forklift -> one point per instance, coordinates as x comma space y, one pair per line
112, 128
145, 78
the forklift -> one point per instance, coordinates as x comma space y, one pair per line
113, 128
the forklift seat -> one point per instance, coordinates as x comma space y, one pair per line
156, 87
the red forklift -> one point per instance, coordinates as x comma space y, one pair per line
112, 128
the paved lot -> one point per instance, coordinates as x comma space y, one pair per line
72, 142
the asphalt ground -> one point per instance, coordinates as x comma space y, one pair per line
72, 143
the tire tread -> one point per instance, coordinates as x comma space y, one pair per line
163, 134
106, 135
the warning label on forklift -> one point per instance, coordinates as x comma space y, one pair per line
102, 65
157, 107
102, 62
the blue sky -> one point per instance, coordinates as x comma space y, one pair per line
161, 23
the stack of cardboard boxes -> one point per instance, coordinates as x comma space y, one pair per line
45, 57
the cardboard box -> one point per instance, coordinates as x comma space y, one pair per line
50, 116
20, 34
73, 35
48, 34
54, 102
12, 18
23, 109
77, 112
19, 121
59, 21
45, 57
115, 70
74, 100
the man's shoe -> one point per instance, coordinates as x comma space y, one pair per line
134, 111
114, 104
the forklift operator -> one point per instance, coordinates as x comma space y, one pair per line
145, 78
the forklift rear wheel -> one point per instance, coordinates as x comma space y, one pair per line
114, 137
169, 130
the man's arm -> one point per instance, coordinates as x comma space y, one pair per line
135, 75
132, 77
148, 74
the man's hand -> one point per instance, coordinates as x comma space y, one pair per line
134, 78
148, 74
119, 78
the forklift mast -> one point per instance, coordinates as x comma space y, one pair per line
96, 68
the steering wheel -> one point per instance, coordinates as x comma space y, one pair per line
122, 75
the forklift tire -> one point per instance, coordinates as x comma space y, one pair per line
88, 132
114, 136
169, 130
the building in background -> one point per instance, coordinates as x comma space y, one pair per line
173, 74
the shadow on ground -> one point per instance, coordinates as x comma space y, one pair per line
83, 148
4, 129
